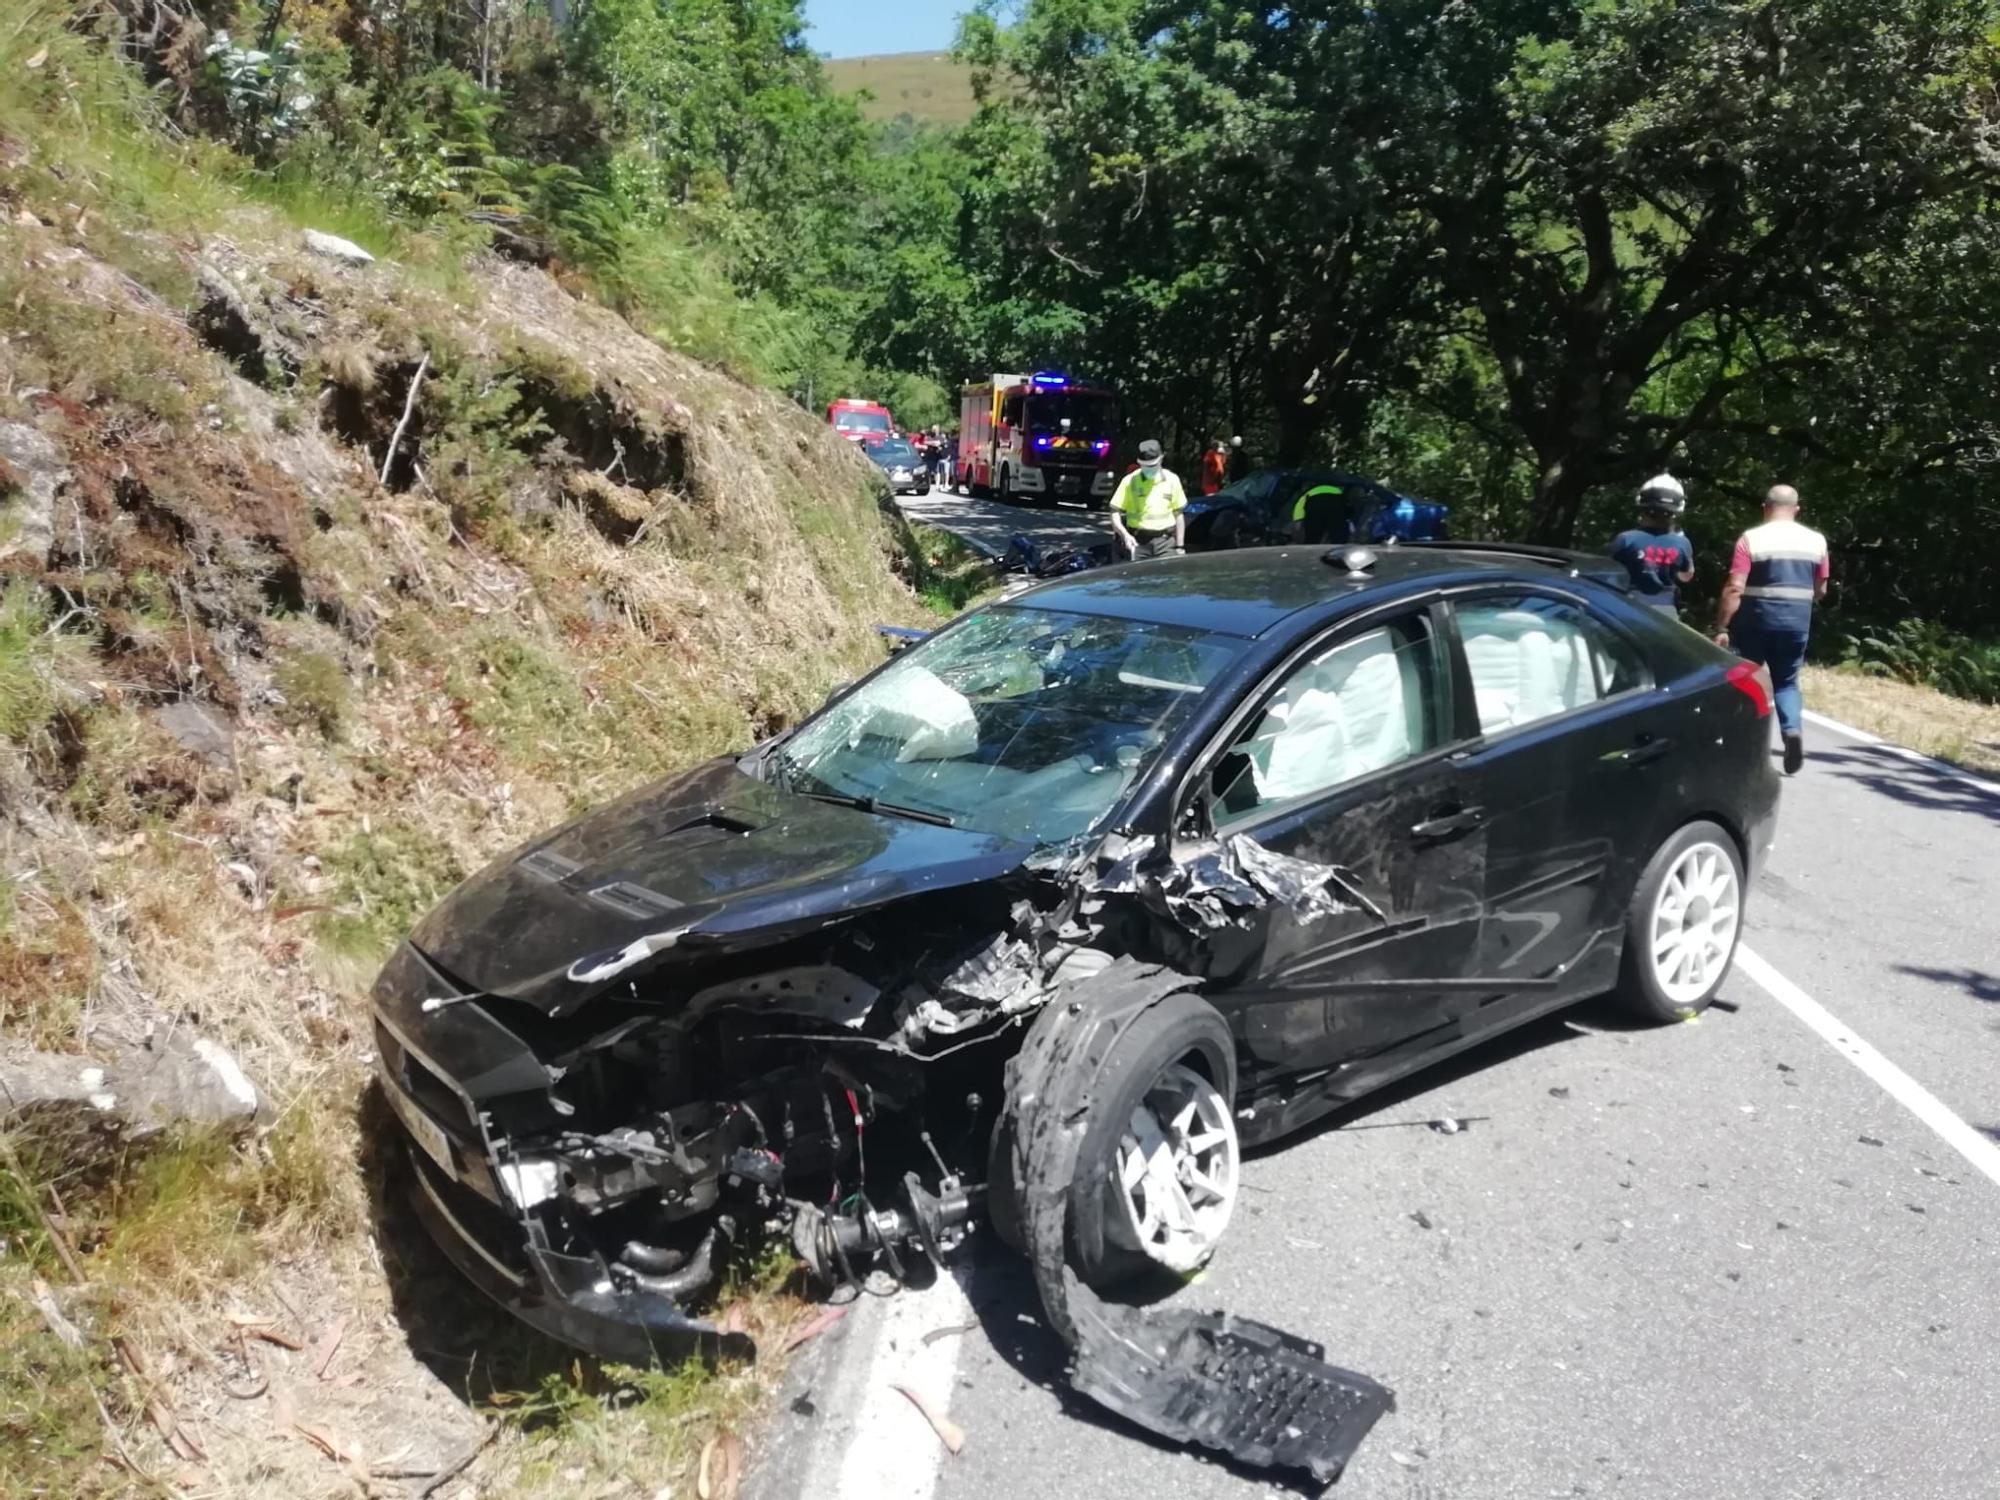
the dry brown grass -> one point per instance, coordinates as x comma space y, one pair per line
48, 964
1922, 718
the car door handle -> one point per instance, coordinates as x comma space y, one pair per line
1648, 748
1445, 824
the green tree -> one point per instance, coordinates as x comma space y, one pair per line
1214, 195
1643, 203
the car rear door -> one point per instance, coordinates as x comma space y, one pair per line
1344, 759
1576, 764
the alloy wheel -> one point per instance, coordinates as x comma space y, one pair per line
1177, 1169
1694, 922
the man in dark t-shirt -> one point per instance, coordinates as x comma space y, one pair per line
1656, 553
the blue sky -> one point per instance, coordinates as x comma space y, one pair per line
859, 28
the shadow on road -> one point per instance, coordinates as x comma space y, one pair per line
1583, 1019
1913, 783
1976, 983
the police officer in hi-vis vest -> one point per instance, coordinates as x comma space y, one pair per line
1778, 573
1146, 508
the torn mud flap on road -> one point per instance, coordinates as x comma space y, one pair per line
1259, 1395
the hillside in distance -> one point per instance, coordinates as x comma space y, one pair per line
931, 87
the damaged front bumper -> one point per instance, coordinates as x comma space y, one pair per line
470, 1203
569, 1298
601, 1225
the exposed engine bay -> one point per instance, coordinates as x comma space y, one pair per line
837, 1098
841, 1091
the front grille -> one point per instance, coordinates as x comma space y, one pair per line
403, 1069
438, 1099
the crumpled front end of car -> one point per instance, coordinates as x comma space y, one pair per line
592, 1171
523, 1204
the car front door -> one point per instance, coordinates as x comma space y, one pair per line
1572, 736
1344, 760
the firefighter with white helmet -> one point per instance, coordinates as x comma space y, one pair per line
1656, 552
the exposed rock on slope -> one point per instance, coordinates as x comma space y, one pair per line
290, 639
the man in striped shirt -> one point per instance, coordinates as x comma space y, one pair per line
1778, 573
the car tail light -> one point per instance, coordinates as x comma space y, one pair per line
1754, 683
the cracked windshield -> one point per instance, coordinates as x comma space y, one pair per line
1027, 723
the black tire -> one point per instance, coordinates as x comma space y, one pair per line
1004, 490
1641, 988
1180, 1028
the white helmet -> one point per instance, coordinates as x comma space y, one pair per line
1663, 492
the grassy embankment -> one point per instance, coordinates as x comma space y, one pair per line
1953, 729
594, 561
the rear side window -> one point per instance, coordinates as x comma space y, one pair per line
1357, 708
1532, 657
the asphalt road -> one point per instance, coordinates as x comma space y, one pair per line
989, 527
1712, 1260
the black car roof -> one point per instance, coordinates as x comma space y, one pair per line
1248, 590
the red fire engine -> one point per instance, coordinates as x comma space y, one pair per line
1038, 438
860, 421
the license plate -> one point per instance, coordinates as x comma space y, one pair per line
423, 1129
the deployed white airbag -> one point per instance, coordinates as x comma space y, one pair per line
933, 721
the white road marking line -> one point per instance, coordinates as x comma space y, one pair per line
1903, 752
1982, 1153
893, 1453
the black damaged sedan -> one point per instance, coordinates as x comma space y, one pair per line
1046, 920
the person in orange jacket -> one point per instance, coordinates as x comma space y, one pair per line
1214, 467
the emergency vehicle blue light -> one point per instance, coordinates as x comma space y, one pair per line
1041, 442
1051, 378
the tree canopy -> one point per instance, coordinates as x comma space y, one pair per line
1517, 254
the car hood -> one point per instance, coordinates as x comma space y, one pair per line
712, 859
